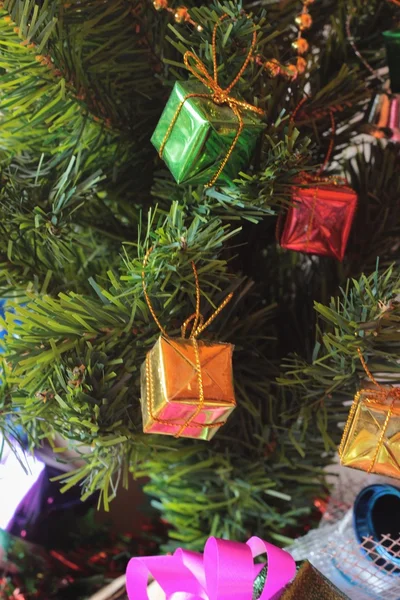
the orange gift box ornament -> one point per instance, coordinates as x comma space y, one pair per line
371, 437
322, 212
186, 384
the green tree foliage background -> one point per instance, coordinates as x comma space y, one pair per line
83, 195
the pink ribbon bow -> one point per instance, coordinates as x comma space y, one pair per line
225, 572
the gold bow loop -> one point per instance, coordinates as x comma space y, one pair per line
218, 95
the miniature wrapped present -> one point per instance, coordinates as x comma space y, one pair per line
202, 136
371, 439
205, 134
187, 387
187, 384
320, 219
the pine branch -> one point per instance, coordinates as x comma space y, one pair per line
74, 361
365, 316
44, 245
78, 172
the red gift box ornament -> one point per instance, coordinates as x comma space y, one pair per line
322, 210
320, 218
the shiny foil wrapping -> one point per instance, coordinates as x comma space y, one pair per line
320, 219
310, 584
170, 388
202, 136
371, 440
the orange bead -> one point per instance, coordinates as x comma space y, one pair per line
181, 14
273, 67
301, 64
304, 21
290, 71
301, 45
160, 4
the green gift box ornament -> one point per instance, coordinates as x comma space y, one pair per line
207, 136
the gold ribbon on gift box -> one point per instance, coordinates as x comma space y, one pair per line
218, 94
381, 394
198, 327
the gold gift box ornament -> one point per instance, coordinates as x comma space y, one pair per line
371, 437
187, 385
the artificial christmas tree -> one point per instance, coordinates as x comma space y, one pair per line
84, 195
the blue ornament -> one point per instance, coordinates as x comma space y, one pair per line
376, 513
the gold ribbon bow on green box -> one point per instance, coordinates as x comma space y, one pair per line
205, 137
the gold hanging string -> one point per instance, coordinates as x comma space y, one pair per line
366, 369
199, 326
147, 297
187, 322
383, 393
218, 94
197, 316
214, 315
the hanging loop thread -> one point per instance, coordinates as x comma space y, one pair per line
199, 325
